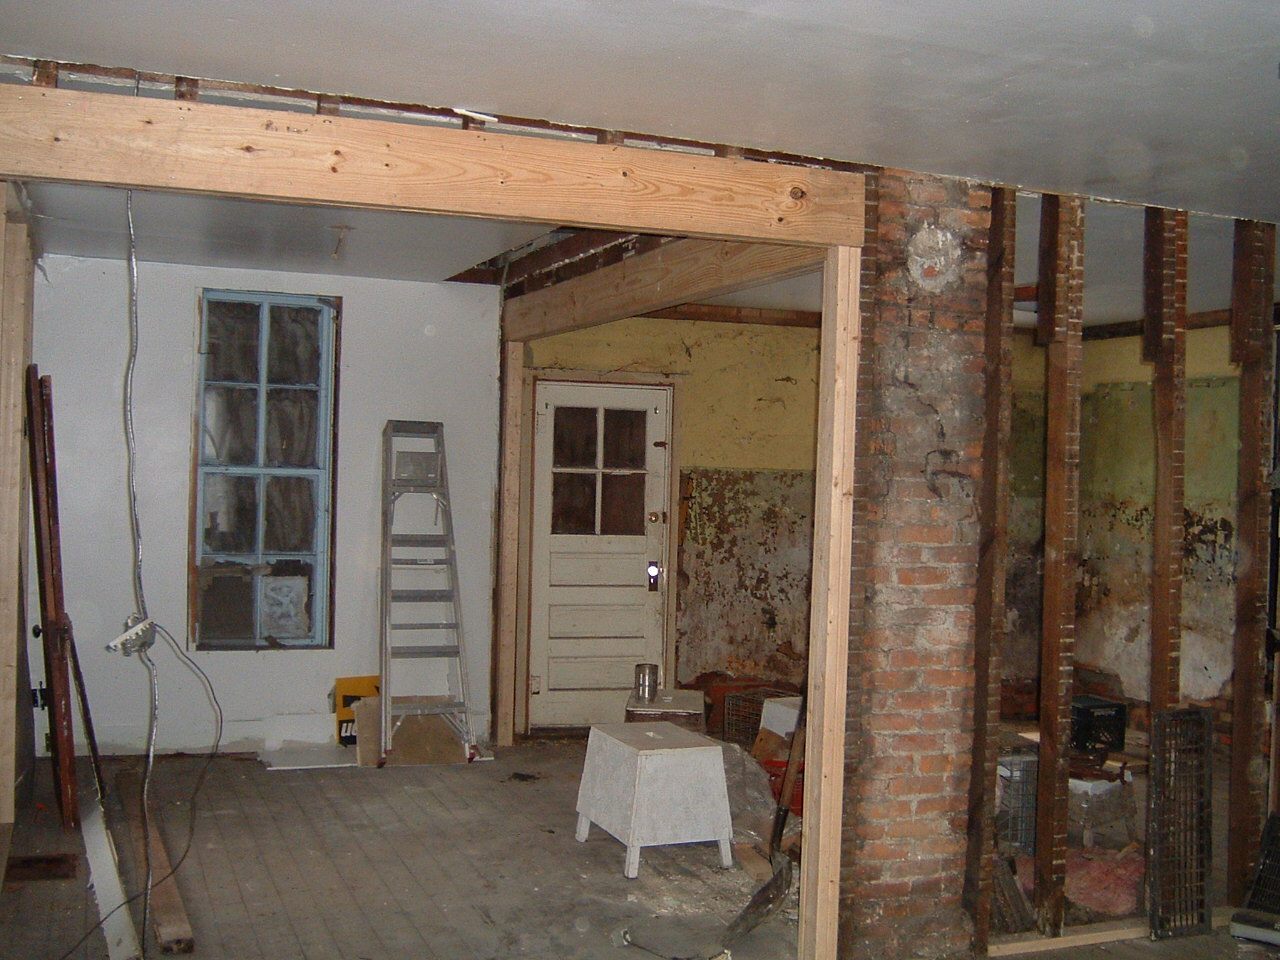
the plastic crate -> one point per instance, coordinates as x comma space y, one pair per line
1097, 724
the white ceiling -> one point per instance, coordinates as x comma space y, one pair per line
1172, 102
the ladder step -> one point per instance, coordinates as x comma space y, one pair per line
410, 486
421, 596
424, 708
424, 626
420, 653
419, 540
413, 562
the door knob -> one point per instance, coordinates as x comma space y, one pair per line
654, 570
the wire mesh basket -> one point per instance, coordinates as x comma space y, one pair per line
742, 713
1016, 812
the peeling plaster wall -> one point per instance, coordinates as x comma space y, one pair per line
1117, 488
745, 431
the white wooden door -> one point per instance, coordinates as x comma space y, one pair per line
600, 500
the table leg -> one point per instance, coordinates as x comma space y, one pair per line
631, 870
726, 854
584, 826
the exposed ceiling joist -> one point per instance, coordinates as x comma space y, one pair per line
724, 313
675, 273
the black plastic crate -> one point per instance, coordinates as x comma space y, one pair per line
1097, 724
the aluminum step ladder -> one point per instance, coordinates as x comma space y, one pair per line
423, 667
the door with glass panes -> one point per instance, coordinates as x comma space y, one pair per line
597, 597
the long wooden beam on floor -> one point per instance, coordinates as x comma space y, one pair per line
1252, 293
1164, 343
829, 602
168, 913
231, 151
673, 273
989, 602
1061, 290
15, 354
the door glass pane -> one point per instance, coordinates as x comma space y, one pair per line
574, 437
290, 515
573, 503
622, 504
291, 428
231, 342
293, 350
230, 425
284, 601
226, 603
230, 513
624, 439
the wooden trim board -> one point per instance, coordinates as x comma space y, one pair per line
231, 151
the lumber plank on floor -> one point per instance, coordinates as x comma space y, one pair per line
168, 913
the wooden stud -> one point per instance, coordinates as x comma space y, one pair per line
328, 106
511, 503
673, 273
15, 354
1253, 291
186, 88
44, 73
829, 603
233, 151
1061, 289
993, 559
1164, 342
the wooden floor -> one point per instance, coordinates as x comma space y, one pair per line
449, 862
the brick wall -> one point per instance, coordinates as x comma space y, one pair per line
916, 539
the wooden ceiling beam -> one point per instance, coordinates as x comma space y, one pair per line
723, 313
675, 273
196, 147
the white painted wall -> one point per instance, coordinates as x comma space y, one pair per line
415, 351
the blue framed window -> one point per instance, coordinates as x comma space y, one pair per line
264, 476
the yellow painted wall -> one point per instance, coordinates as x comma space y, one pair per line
1120, 360
747, 395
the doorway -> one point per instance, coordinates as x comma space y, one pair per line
601, 502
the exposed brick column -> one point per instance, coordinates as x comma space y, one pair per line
1253, 290
921, 412
1061, 315
989, 610
1164, 343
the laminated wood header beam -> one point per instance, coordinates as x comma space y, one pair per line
194, 147
674, 273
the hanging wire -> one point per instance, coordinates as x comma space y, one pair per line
135, 527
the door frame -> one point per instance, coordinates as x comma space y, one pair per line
524, 509
185, 145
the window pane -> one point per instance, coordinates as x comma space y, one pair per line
291, 428
226, 603
285, 601
573, 503
622, 504
231, 342
574, 437
230, 426
293, 350
624, 439
291, 515
230, 514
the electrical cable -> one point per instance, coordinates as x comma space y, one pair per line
135, 526
152, 715
192, 800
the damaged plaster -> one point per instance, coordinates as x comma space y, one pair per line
743, 597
